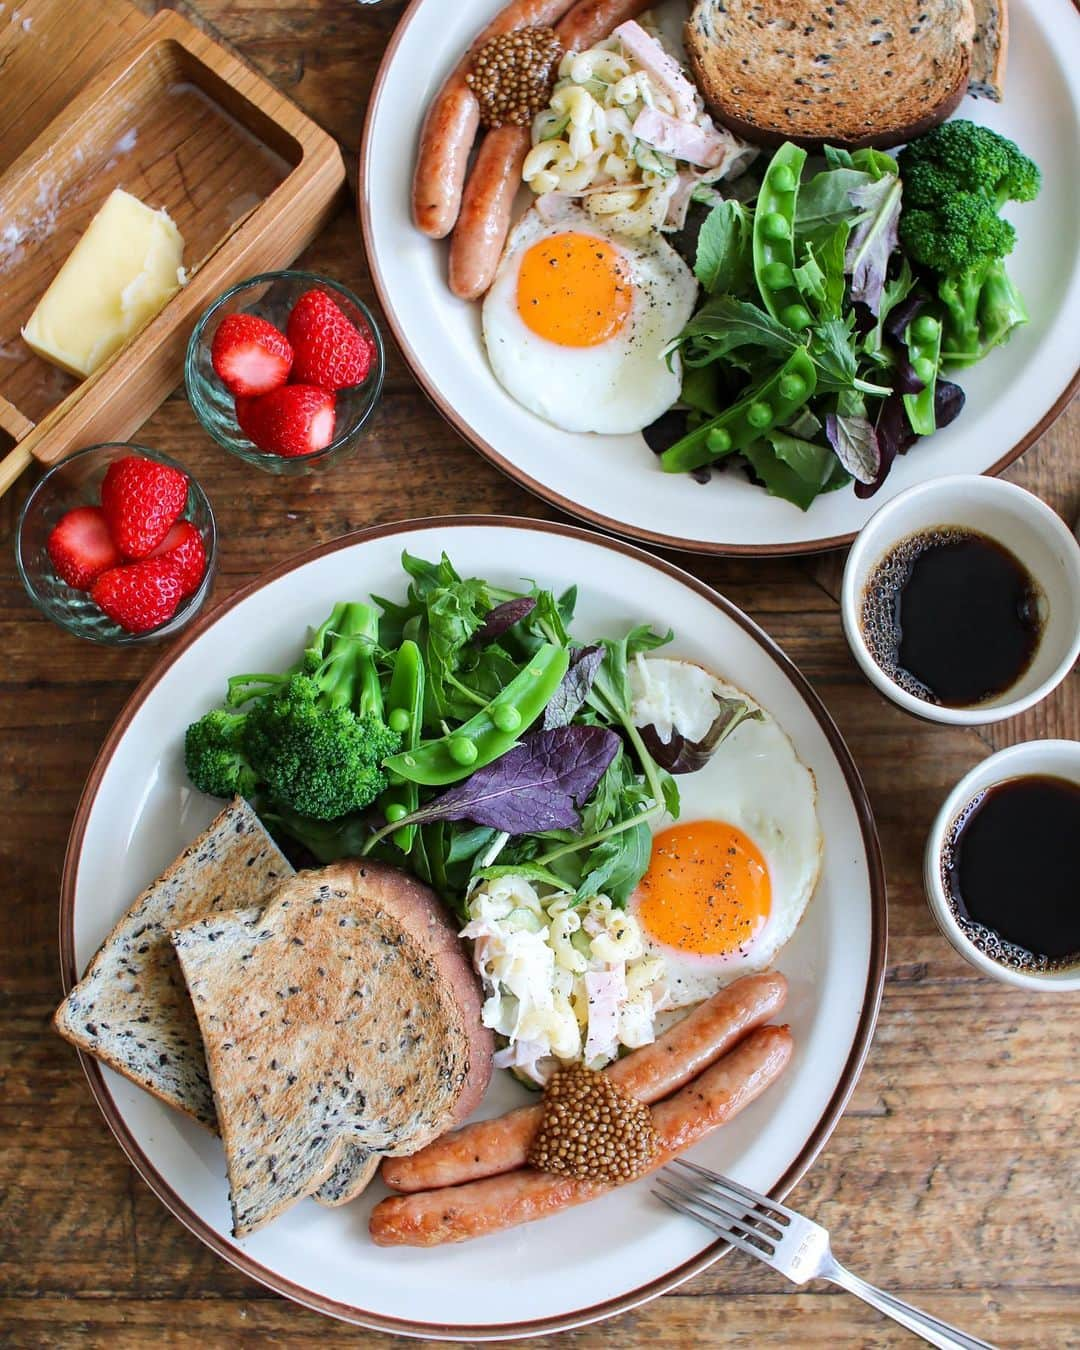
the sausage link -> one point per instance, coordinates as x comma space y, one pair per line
650, 1073
591, 21
458, 1213
452, 120
486, 206
484, 219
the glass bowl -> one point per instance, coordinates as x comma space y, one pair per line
271, 296
76, 481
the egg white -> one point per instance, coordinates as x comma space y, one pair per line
754, 781
617, 386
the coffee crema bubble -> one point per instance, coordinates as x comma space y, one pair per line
952, 616
1010, 870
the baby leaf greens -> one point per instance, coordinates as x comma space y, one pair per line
834, 259
510, 748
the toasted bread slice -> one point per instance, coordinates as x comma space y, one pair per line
987, 79
344, 1013
876, 72
132, 1009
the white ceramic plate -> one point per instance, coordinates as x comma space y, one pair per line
614, 481
138, 811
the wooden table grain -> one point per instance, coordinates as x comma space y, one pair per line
950, 1180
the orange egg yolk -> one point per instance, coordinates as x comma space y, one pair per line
707, 888
574, 290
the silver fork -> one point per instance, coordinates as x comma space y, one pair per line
789, 1243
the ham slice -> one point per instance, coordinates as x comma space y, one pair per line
694, 144
661, 68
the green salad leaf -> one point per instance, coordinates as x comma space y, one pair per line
725, 257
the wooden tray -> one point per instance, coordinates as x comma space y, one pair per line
178, 121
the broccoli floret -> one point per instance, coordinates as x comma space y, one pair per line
963, 231
955, 179
312, 738
215, 759
960, 156
981, 308
316, 755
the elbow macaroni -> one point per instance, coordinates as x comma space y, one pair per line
533, 953
583, 143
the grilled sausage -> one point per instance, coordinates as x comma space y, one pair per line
484, 220
452, 120
650, 1073
458, 1213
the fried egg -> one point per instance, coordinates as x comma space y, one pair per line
729, 881
578, 321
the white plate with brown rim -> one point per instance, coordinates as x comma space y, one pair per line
614, 481
138, 811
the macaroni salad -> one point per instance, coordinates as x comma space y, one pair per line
564, 980
627, 131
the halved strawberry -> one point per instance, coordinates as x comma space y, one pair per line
294, 420
139, 595
80, 547
250, 355
141, 499
328, 350
183, 546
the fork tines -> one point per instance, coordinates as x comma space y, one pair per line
748, 1221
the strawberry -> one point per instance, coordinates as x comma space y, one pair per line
328, 350
250, 355
81, 548
139, 595
141, 499
183, 546
294, 420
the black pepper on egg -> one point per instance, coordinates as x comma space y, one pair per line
512, 75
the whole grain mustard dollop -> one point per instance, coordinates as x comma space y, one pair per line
592, 1130
512, 75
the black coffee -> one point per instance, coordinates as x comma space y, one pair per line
1011, 871
952, 616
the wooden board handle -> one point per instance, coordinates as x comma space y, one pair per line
12, 465
15, 461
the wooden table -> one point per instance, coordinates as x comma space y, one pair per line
952, 1177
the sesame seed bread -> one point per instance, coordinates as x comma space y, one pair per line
344, 1012
849, 72
987, 79
132, 1009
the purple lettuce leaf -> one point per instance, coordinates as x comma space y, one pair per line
905, 381
503, 617
873, 239
568, 699
856, 446
901, 315
679, 755
894, 433
949, 400
535, 786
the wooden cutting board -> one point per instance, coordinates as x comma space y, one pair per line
94, 96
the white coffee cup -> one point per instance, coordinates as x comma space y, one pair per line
1055, 759
1014, 518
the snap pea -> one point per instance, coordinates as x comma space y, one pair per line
923, 339
492, 731
774, 238
771, 404
405, 713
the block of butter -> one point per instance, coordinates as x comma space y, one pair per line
116, 278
